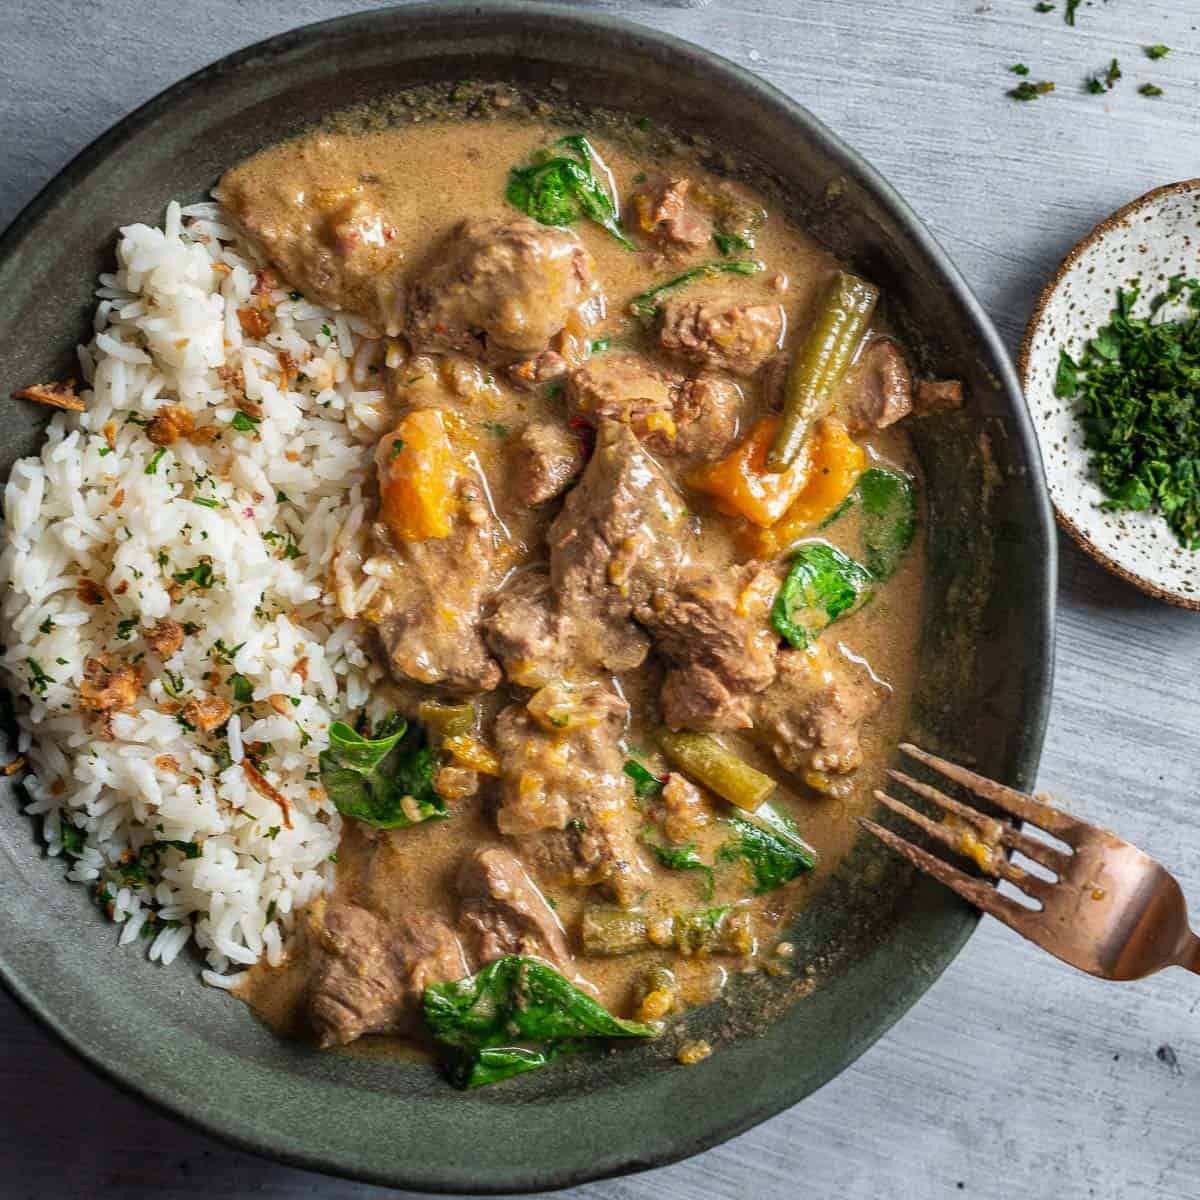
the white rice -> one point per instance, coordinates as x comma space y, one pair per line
126, 518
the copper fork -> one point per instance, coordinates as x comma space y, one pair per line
1111, 909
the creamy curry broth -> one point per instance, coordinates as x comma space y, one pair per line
422, 179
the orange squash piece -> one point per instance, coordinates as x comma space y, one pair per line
741, 485
418, 470
836, 462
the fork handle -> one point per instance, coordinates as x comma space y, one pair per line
1189, 954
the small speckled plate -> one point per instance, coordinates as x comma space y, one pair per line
1150, 239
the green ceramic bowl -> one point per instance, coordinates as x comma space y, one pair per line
881, 934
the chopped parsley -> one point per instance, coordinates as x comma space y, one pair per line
326, 331
47, 625
244, 423
38, 679
1031, 91
397, 446
174, 685
1019, 69
1069, 12
1135, 388
125, 628
1043, 6
201, 575
152, 465
105, 450
600, 345
71, 836
1150, 89
496, 428
281, 497
1099, 84
223, 652
1157, 51
243, 692
205, 502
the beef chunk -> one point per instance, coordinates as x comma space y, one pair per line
722, 332
564, 793
674, 416
617, 539
683, 809
620, 387
545, 457
500, 288
326, 235
524, 631
713, 630
428, 607
531, 373
503, 912
812, 715
369, 973
670, 213
938, 395
707, 411
877, 391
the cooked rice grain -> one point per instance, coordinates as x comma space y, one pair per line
232, 538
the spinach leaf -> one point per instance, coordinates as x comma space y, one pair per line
821, 585
683, 858
556, 189
774, 856
385, 781
513, 1016
645, 306
727, 243
889, 508
646, 785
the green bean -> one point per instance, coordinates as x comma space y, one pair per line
717, 768
820, 364
706, 931
607, 932
442, 721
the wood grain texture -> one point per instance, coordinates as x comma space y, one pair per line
1014, 1076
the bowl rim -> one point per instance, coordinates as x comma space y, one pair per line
1068, 523
563, 20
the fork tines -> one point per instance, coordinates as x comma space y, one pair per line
975, 835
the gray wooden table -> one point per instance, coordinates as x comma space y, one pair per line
1014, 1075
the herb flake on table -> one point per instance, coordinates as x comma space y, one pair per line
1019, 69
1157, 51
1099, 84
1135, 385
1069, 11
1150, 89
1031, 91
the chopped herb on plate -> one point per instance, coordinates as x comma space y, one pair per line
1135, 385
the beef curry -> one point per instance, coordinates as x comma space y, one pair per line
645, 570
